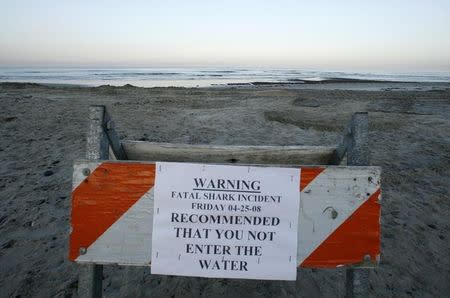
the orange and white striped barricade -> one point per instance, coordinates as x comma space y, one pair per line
112, 201
112, 214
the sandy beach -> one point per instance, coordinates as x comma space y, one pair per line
43, 130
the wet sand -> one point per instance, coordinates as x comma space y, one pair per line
43, 128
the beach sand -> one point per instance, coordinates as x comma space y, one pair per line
43, 130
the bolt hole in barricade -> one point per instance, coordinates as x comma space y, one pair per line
184, 210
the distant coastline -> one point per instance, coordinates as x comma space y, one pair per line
330, 84
206, 77
317, 81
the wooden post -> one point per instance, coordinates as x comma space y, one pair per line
91, 276
113, 138
357, 279
358, 147
97, 141
90, 280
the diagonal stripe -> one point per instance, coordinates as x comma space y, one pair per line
78, 172
105, 196
308, 175
129, 240
357, 237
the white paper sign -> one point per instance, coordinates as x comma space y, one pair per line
225, 221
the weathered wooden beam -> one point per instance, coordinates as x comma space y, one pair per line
90, 280
113, 137
341, 149
90, 276
306, 155
358, 154
97, 141
357, 282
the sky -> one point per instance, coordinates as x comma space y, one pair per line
361, 35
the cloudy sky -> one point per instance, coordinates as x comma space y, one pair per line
362, 35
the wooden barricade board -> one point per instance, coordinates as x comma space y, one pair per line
112, 214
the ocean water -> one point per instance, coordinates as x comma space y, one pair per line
196, 77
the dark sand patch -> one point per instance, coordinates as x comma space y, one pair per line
306, 102
7, 119
299, 120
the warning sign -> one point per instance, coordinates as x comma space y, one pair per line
225, 221
113, 213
